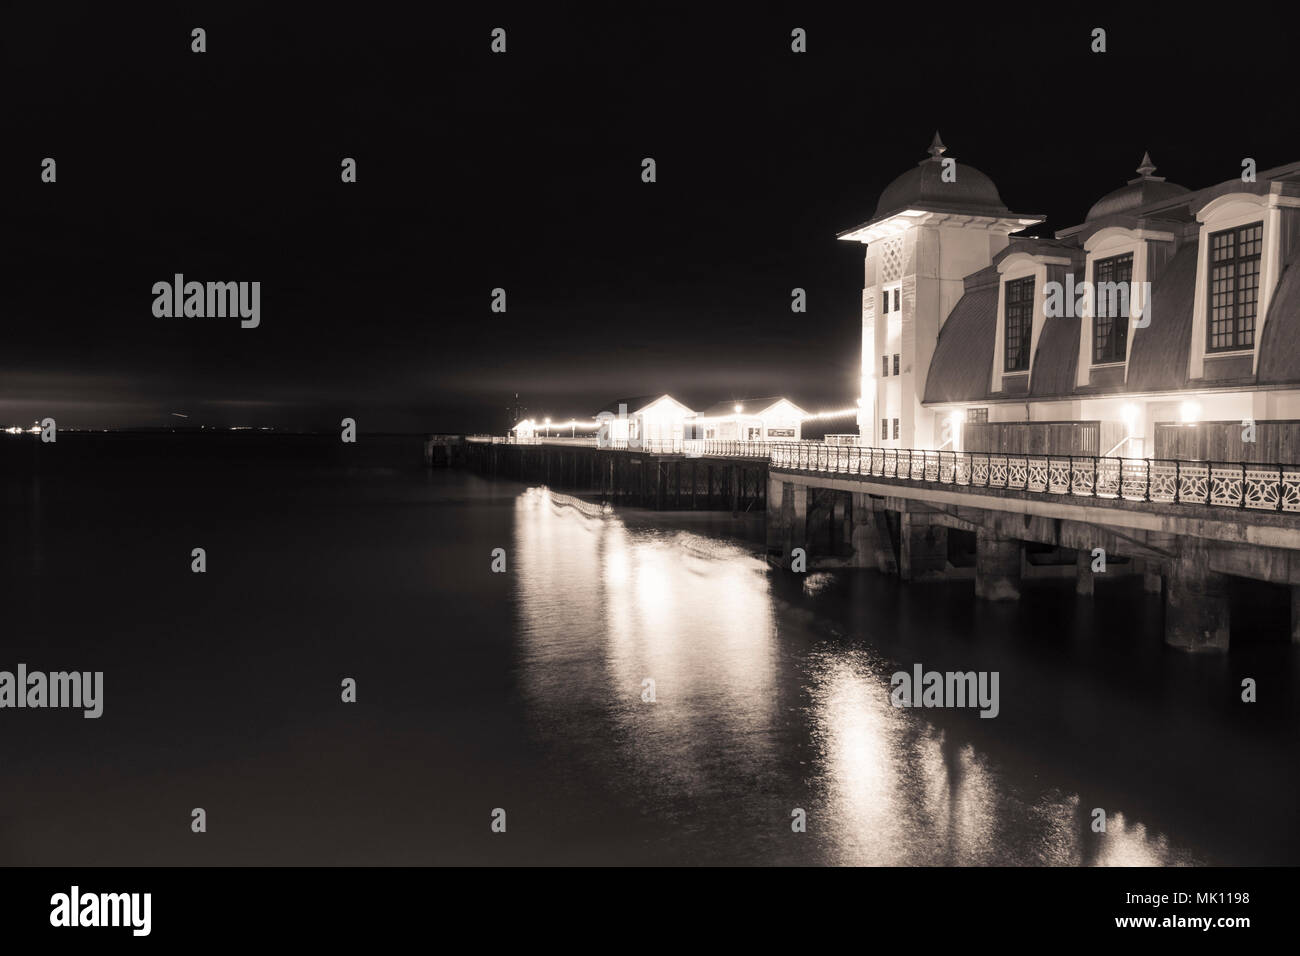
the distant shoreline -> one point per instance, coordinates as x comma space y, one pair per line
220, 432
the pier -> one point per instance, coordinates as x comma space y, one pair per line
1187, 527
665, 476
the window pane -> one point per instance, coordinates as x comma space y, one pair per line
1112, 280
1233, 292
1019, 323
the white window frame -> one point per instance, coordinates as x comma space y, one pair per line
1105, 244
1231, 211
1020, 265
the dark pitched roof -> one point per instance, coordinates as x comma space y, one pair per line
962, 365
1158, 358
1040, 246
1279, 347
963, 357
1057, 357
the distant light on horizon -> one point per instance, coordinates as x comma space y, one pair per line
837, 413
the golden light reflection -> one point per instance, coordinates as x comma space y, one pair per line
898, 790
607, 607
742, 688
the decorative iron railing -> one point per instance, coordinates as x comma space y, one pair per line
1260, 487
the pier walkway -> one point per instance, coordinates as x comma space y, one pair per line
1188, 527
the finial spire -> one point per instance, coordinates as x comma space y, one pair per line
1147, 167
937, 148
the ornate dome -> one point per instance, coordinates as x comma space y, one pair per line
923, 187
1138, 192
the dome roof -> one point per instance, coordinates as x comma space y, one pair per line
923, 187
1143, 191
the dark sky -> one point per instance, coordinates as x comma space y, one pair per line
523, 171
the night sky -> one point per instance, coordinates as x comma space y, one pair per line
523, 171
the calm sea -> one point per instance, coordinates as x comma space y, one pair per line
523, 690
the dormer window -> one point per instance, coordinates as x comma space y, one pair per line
1019, 324
1233, 287
1110, 322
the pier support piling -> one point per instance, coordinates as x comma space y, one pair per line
1196, 602
871, 545
997, 567
787, 519
1295, 614
1084, 579
923, 551
798, 500
1152, 579
1155, 570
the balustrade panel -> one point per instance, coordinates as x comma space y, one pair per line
1221, 484
1226, 484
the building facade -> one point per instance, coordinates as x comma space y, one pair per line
655, 420
752, 419
1164, 325
646, 418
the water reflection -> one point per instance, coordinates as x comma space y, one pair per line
757, 712
900, 791
606, 610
